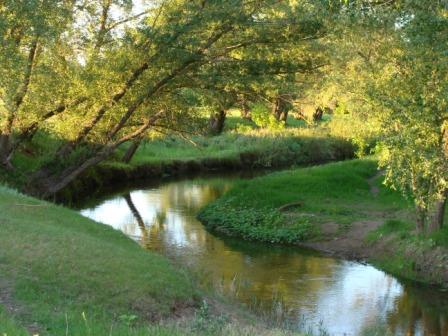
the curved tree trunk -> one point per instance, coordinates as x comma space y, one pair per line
127, 157
6, 145
46, 184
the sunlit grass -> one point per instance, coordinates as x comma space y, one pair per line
337, 192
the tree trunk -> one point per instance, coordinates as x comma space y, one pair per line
284, 115
5, 151
318, 114
127, 157
438, 216
45, 184
281, 107
420, 222
277, 108
245, 110
6, 132
67, 148
216, 122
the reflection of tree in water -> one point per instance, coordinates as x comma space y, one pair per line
190, 196
420, 309
264, 272
149, 234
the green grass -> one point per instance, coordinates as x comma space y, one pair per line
400, 228
9, 327
336, 192
68, 275
64, 265
264, 148
409, 255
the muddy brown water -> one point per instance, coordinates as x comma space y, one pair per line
301, 287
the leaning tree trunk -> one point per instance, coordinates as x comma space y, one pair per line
6, 145
45, 184
127, 157
438, 216
216, 122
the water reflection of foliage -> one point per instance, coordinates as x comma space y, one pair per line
419, 309
264, 277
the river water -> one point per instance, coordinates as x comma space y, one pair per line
309, 290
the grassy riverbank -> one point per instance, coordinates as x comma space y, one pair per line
238, 148
332, 207
63, 274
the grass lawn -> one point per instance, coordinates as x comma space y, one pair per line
69, 271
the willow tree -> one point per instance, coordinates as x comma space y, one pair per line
402, 79
414, 109
98, 82
30, 72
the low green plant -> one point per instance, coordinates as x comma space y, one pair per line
264, 118
337, 192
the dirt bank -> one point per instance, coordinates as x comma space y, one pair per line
402, 257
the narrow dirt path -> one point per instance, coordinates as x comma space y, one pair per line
349, 244
12, 307
374, 190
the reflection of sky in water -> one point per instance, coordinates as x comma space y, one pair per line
345, 296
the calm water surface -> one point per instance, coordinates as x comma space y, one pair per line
313, 291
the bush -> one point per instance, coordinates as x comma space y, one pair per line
264, 118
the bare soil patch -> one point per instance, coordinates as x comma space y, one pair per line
349, 244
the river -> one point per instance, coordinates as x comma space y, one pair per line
307, 290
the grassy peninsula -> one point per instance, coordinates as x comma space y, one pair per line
341, 208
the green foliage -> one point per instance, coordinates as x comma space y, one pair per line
264, 118
262, 224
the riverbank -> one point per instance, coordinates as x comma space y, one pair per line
174, 156
339, 208
63, 274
